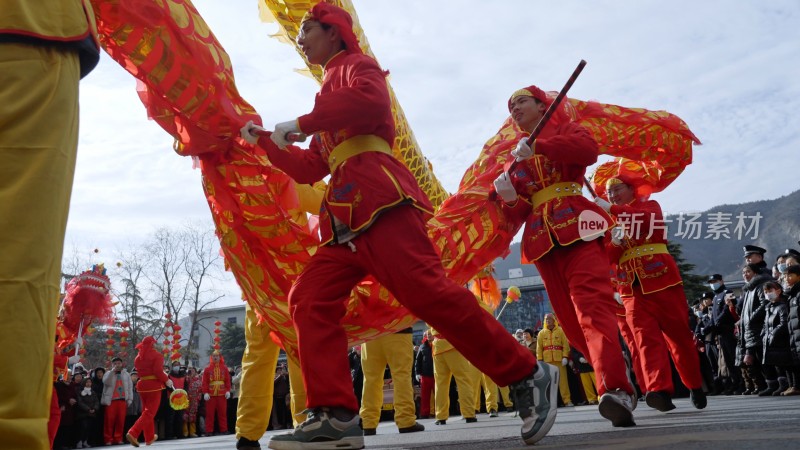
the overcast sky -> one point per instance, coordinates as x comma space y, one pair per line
731, 70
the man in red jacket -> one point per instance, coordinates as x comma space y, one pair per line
544, 188
372, 222
651, 287
216, 391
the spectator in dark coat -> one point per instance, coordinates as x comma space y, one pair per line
792, 278
423, 368
777, 356
87, 412
749, 349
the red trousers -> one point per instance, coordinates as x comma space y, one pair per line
426, 389
114, 421
145, 423
395, 250
576, 279
660, 323
55, 417
217, 406
627, 336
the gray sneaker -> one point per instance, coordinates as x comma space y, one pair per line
536, 401
617, 406
321, 431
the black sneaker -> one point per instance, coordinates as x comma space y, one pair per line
536, 399
412, 429
492, 413
698, 397
370, 431
322, 430
441, 422
659, 400
471, 419
246, 444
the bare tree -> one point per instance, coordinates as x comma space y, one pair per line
143, 317
203, 266
167, 252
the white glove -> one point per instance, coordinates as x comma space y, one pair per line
617, 234
74, 359
582, 360
170, 384
564, 361
227, 395
504, 188
281, 129
418, 377
246, 134
603, 204
206, 397
129, 401
618, 298
523, 150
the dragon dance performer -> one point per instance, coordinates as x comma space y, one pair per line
45, 48
372, 223
216, 390
650, 285
545, 190
152, 379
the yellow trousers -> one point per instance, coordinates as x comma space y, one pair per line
258, 372
563, 383
297, 393
396, 350
453, 364
504, 395
489, 389
589, 386
38, 146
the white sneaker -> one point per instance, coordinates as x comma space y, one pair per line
80, 444
535, 398
617, 406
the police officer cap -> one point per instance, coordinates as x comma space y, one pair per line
752, 249
707, 295
791, 252
715, 277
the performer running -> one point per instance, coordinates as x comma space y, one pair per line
650, 285
372, 222
152, 379
545, 190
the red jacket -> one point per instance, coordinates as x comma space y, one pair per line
561, 154
352, 102
639, 256
216, 379
149, 365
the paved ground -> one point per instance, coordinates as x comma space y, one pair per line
728, 423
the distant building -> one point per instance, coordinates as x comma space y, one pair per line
204, 330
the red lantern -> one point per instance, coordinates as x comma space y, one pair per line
82, 351
168, 316
125, 324
167, 333
218, 323
123, 344
165, 342
176, 337
110, 353
176, 327
216, 347
124, 334
110, 342
217, 339
110, 331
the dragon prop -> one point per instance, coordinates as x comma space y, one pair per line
186, 83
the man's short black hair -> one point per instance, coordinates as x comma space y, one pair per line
116, 358
528, 330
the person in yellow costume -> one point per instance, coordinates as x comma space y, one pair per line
46, 47
449, 363
396, 350
488, 294
552, 347
255, 394
261, 356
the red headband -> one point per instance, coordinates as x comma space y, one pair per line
333, 15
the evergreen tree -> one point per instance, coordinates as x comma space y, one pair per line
693, 285
232, 344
